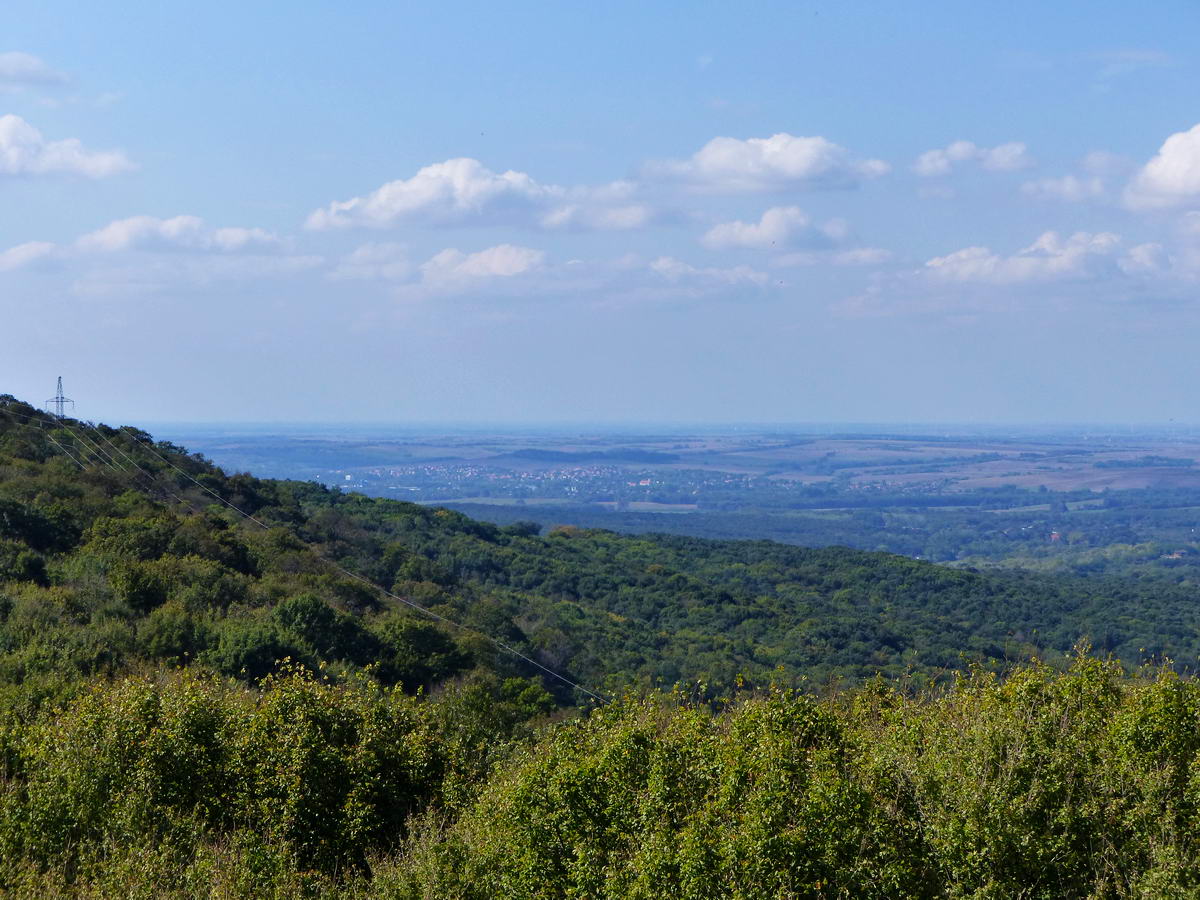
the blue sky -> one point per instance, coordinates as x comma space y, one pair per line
558, 212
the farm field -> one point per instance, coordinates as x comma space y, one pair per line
1028, 498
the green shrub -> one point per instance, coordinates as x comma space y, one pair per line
330, 633
253, 649
313, 775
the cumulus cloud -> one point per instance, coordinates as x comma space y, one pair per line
25, 254
452, 190
463, 190
1095, 171
148, 234
1050, 258
503, 270
1147, 259
1002, 158
1172, 177
383, 260
676, 271
19, 70
1063, 270
24, 151
779, 226
517, 273
583, 216
1069, 188
789, 228
856, 256
144, 254
780, 162
451, 266
177, 233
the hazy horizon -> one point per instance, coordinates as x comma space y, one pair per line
644, 428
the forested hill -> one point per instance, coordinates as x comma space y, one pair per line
115, 550
197, 701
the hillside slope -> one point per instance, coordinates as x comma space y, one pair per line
200, 701
115, 550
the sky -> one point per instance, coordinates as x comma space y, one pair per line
559, 212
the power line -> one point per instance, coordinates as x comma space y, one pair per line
151, 482
337, 567
104, 457
65, 450
428, 612
57, 405
97, 451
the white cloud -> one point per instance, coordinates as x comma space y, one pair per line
465, 191
144, 254
446, 191
1146, 259
1172, 177
940, 162
780, 162
384, 260
779, 226
1002, 158
1069, 188
582, 217
1006, 158
1049, 258
232, 239
523, 274
858, 256
788, 227
1095, 170
678, 272
24, 151
453, 267
24, 254
609, 207
505, 270
178, 233
26, 70
1079, 271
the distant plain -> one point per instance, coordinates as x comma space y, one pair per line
1094, 499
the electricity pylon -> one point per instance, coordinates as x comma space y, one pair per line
58, 403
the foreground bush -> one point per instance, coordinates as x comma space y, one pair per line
1044, 784
1082, 784
303, 778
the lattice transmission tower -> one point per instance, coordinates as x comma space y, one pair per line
57, 404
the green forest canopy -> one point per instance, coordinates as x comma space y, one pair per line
113, 565
193, 702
